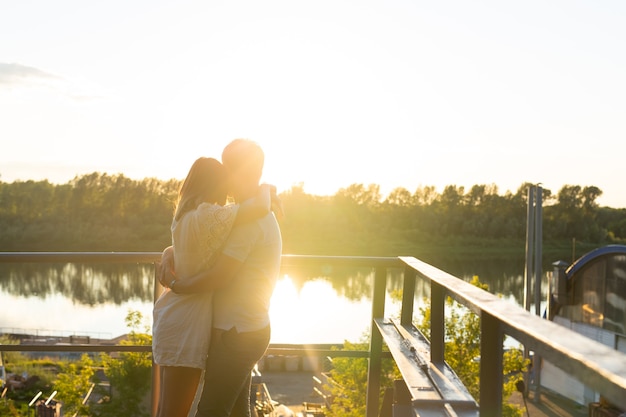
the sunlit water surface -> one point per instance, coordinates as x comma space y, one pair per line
313, 314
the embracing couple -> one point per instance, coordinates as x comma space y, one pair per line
220, 273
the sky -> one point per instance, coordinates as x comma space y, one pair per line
395, 93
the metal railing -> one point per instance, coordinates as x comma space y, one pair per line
590, 362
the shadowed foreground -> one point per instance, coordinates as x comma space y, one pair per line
294, 388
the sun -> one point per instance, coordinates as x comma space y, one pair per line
315, 314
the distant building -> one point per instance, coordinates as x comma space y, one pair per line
589, 297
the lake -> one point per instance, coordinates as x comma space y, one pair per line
307, 306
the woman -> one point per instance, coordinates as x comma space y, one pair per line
182, 323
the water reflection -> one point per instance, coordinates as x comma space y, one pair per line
84, 284
118, 283
311, 305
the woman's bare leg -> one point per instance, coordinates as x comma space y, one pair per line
178, 389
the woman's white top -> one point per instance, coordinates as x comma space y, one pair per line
182, 323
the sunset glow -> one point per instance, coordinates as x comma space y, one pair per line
398, 93
316, 314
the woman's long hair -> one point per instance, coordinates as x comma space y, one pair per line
206, 182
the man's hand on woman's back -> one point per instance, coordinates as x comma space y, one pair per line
165, 268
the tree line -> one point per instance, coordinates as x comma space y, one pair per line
103, 212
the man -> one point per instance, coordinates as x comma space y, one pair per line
243, 278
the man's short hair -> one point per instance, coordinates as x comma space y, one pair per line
244, 157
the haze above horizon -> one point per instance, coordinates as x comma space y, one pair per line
398, 93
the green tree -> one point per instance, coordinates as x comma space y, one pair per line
400, 197
450, 210
462, 351
130, 375
349, 382
8, 409
101, 212
73, 383
576, 215
7, 406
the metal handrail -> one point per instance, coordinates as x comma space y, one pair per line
588, 361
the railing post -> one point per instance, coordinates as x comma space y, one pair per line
156, 371
408, 295
437, 323
491, 379
538, 248
376, 344
530, 240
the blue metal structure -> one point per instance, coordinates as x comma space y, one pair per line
605, 251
